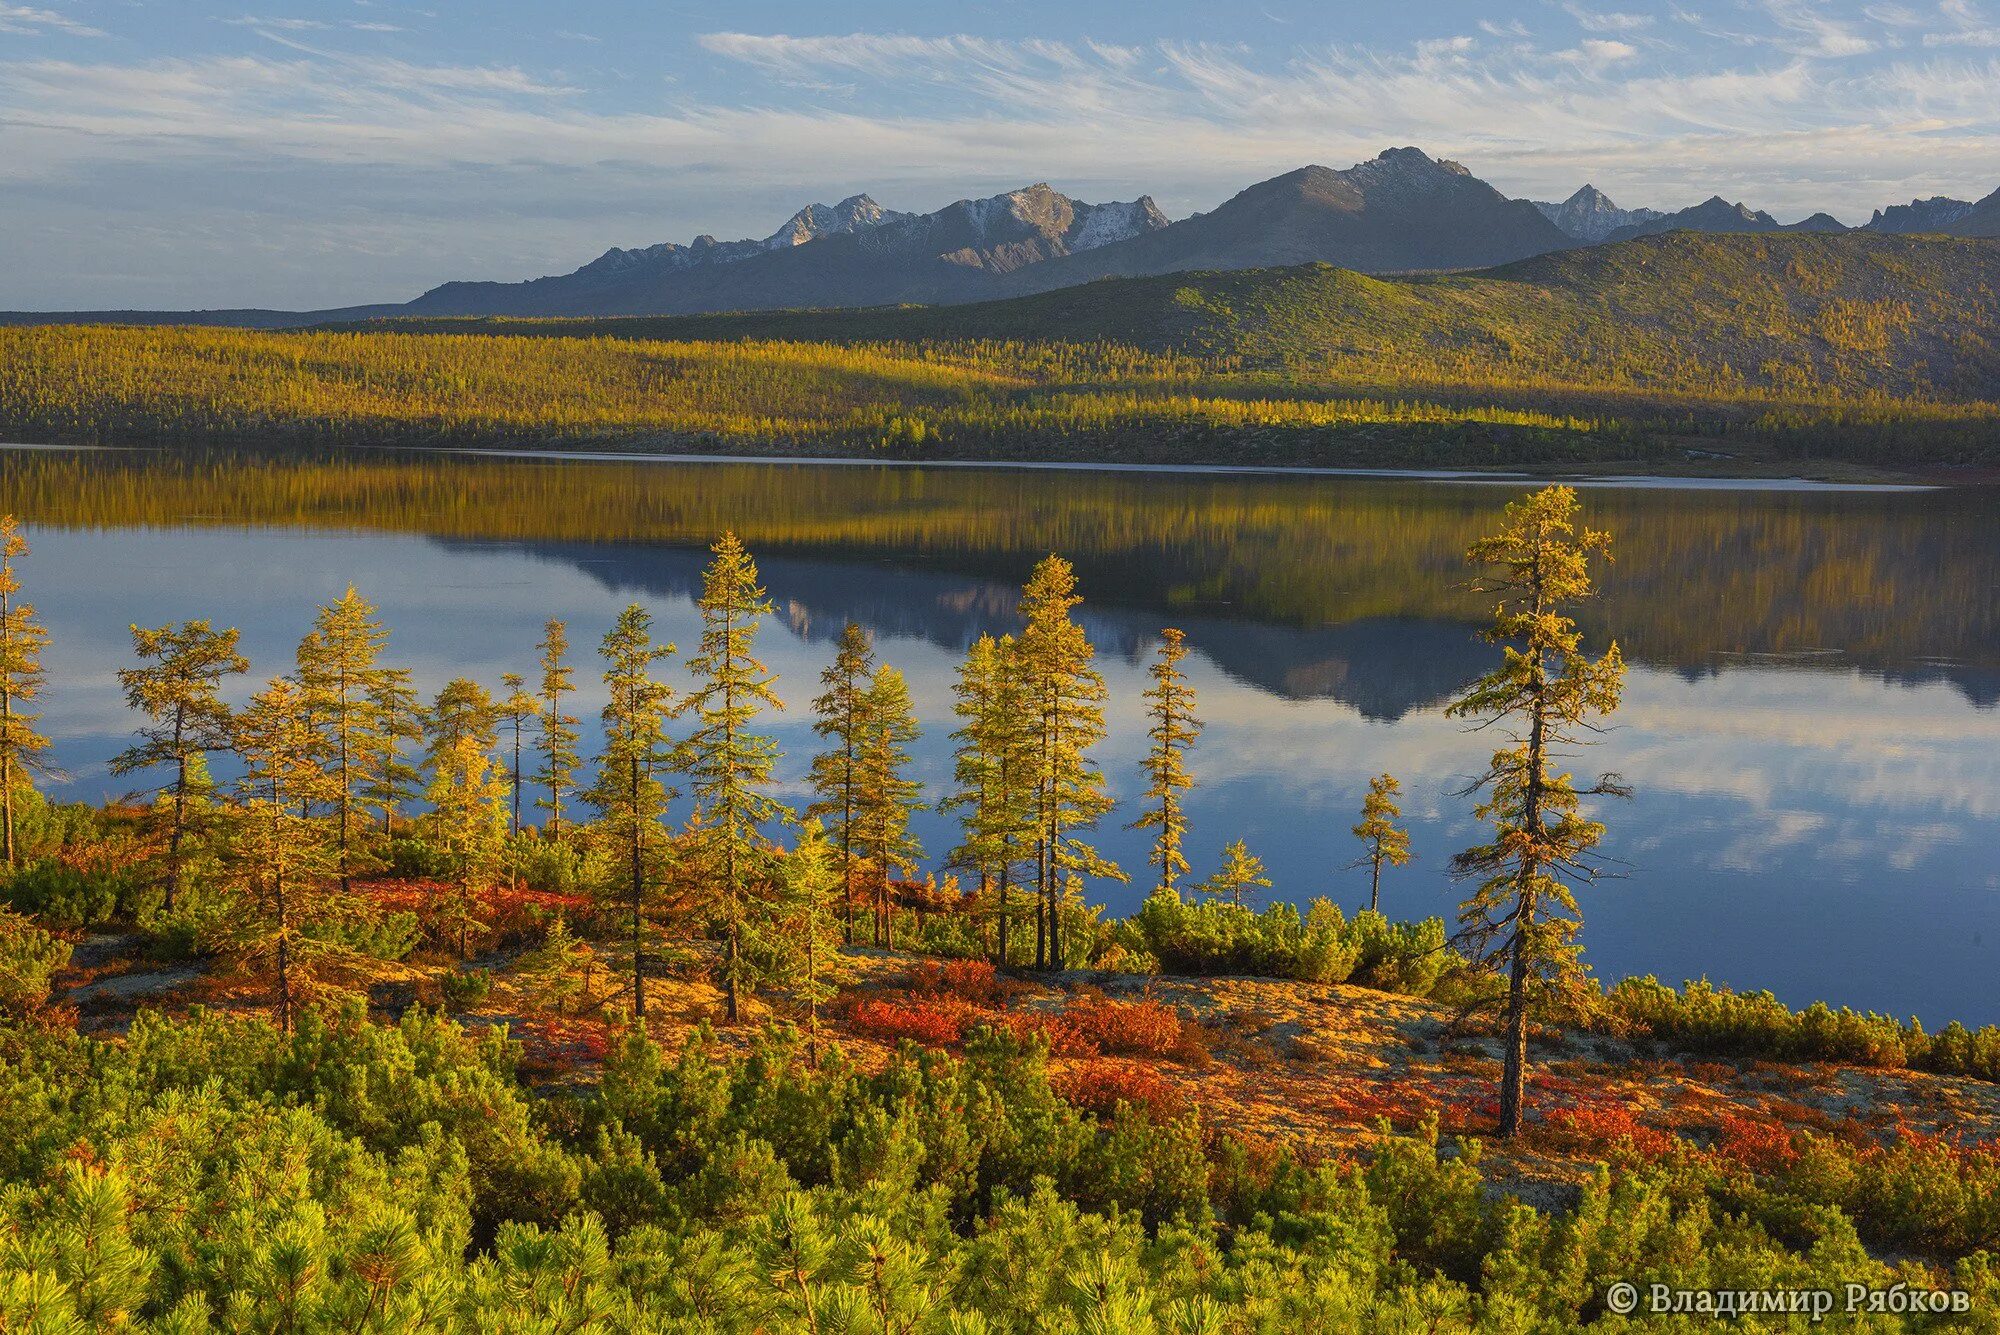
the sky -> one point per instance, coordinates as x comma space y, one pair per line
181, 154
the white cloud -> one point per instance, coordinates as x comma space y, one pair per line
1808, 30
1607, 20
29, 21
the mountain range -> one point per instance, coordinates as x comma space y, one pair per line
1400, 212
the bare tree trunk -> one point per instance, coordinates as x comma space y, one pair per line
1375, 880
638, 906
1514, 1068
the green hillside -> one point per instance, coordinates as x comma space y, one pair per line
1691, 312
1769, 350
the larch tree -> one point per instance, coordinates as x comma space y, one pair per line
629, 797
889, 796
992, 772
556, 739
840, 717
1240, 875
729, 762
1174, 727
468, 824
1383, 842
809, 922
465, 794
338, 672
288, 866
1063, 696
22, 639
393, 781
516, 708
179, 690
1522, 916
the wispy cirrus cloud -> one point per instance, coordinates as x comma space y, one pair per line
26, 20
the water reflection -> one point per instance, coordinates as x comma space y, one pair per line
1808, 723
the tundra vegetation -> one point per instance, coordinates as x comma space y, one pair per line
971, 1124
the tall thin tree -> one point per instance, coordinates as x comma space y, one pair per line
556, 739
1522, 915
516, 708
1383, 842
841, 718
179, 690
1064, 696
401, 719
629, 797
22, 639
809, 926
338, 673
729, 762
1170, 703
889, 796
993, 771
289, 868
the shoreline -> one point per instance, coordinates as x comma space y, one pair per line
1516, 476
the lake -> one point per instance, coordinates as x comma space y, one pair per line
1809, 720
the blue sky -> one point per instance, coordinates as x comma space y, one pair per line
173, 153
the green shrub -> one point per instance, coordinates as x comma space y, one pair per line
65, 896
29, 957
464, 988
1209, 939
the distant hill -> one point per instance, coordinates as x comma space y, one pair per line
1790, 311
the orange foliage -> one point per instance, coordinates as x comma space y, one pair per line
1099, 1086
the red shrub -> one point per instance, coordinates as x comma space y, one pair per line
1098, 1087
1607, 1128
560, 1044
1764, 1147
1365, 1102
1065, 1037
1132, 1028
934, 1022
975, 981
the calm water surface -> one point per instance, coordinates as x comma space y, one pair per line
1809, 719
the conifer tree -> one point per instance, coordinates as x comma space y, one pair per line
516, 707
809, 925
179, 692
463, 711
1170, 702
888, 794
841, 717
729, 764
1241, 874
338, 674
1522, 916
289, 867
993, 771
22, 639
468, 816
402, 721
1064, 697
551, 966
1382, 839
628, 796
557, 737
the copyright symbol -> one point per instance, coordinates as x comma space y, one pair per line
1622, 1298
